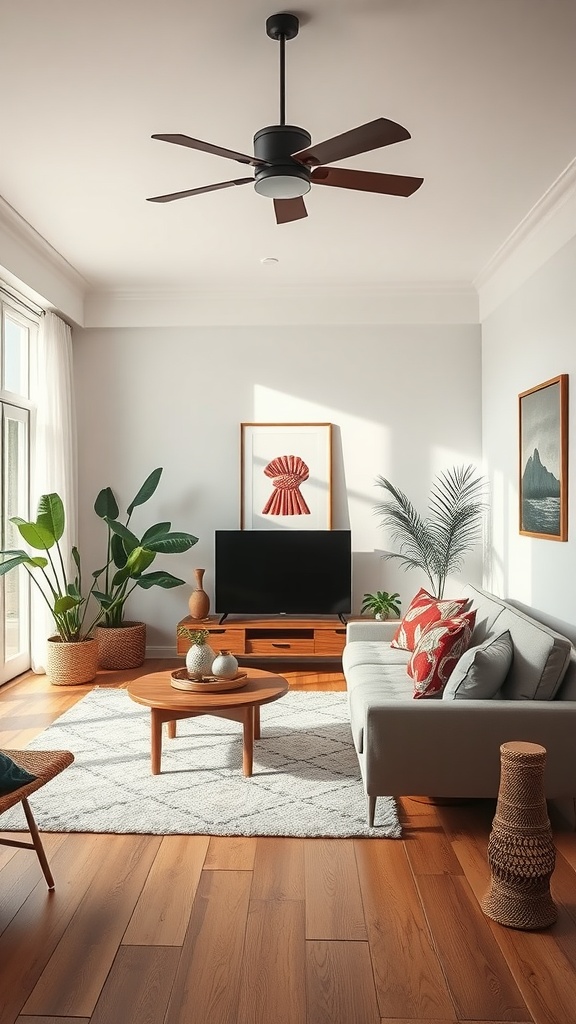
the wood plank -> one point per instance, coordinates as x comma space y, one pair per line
230, 853
208, 977
163, 909
96, 929
28, 942
278, 869
477, 974
138, 987
409, 977
543, 973
333, 900
429, 849
273, 983
20, 874
53, 1020
340, 983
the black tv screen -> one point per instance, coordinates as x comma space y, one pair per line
283, 572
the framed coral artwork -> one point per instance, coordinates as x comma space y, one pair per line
543, 460
286, 476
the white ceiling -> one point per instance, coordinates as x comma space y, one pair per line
485, 87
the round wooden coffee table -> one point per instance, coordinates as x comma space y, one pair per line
169, 705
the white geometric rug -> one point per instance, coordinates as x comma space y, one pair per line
306, 779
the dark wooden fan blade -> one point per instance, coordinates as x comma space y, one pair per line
373, 135
366, 181
198, 191
207, 147
289, 209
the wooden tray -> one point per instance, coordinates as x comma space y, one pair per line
208, 684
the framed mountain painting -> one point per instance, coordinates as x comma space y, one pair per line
543, 468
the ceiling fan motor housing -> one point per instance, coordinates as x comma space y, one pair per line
284, 178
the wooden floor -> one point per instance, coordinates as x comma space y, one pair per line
199, 930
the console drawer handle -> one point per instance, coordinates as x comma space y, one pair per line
280, 645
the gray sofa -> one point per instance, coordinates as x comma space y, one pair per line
450, 747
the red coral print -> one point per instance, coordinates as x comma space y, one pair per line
287, 472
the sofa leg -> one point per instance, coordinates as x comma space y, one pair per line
371, 810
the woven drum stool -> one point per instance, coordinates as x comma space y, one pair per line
521, 852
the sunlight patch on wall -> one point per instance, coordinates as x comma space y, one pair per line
361, 451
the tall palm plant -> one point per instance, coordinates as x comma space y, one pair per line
437, 543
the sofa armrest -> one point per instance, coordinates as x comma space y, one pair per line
452, 748
371, 629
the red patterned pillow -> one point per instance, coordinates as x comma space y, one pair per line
422, 612
435, 656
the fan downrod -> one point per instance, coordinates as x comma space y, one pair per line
282, 26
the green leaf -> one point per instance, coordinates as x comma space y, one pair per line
147, 490
106, 506
36, 535
76, 557
117, 551
129, 539
18, 558
159, 530
138, 560
171, 543
159, 579
104, 600
50, 515
65, 604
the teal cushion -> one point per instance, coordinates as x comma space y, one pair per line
481, 670
12, 776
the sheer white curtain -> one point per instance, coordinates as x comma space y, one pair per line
54, 461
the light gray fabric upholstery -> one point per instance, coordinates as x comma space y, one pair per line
481, 670
451, 748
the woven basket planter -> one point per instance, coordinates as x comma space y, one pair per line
69, 664
121, 646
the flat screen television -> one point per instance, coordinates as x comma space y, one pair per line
283, 572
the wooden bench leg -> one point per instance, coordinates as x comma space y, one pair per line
37, 843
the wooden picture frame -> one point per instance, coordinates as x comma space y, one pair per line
543, 460
286, 476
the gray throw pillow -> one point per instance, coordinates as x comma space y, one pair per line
481, 670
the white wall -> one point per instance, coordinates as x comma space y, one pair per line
405, 402
529, 339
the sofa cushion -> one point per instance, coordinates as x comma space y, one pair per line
488, 608
437, 653
12, 775
481, 670
541, 657
370, 686
371, 652
422, 611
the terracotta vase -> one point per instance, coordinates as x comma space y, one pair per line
199, 602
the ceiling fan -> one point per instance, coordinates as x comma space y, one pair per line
287, 164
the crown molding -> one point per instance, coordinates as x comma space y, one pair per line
35, 268
549, 225
424, 302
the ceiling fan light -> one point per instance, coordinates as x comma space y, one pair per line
282, 186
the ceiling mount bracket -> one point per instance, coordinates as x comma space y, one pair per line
282, 26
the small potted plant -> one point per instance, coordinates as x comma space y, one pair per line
199, 656
381, 604
72, 652
122, 644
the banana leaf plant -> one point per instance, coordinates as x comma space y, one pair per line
438, 542
48, 572
129, 556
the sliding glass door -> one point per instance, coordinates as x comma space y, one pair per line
15, 594
17, 332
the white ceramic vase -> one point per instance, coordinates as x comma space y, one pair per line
225, 665
199, 659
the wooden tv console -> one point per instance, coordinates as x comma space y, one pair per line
271, 638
